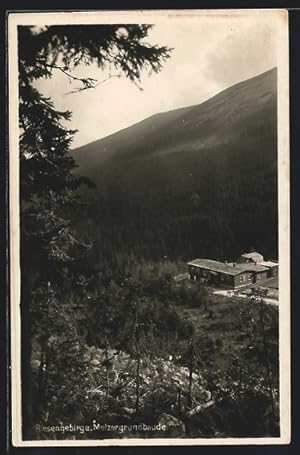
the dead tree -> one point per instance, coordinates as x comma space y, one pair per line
191, 368
137, 345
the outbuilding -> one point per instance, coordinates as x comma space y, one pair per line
272, 267
254, 258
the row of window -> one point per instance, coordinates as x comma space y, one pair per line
244, 278
207, 273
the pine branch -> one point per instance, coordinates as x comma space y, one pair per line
88, 82
40, 153
80, 89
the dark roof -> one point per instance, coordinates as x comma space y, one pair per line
216, 266
256, 257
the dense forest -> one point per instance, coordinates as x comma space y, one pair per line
108, 335
195, 182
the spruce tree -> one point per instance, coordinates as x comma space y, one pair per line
50, 249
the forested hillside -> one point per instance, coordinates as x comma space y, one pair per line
195, 182
107, 335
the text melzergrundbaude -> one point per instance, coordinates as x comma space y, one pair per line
96, 426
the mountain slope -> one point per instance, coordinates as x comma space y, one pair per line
195, 127
196, 181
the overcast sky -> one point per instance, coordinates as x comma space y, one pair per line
210, 54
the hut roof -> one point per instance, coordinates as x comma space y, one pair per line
256, 257
216, 266
269, 264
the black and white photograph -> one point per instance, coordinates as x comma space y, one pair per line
149, 227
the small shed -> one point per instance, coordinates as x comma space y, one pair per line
272, 267
254, 258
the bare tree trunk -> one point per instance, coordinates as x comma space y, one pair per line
106, 370
191, 367
179, 400
137, 403
137, 338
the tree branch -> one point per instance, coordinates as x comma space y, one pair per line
88, 82
80, 89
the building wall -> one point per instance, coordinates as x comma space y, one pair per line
273, 271
243, 279
225, 280
261, 276
217, 278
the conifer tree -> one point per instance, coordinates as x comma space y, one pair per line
50, 248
